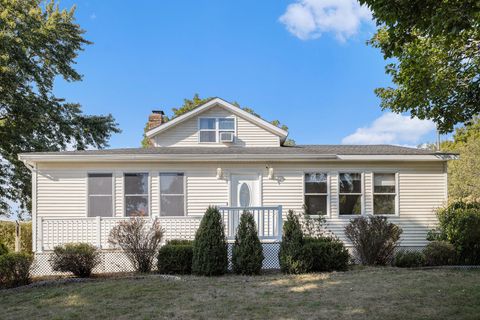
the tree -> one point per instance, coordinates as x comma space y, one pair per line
436, 69
210, 245
39, 44
464, 173
196, 101
247, 251
290, 253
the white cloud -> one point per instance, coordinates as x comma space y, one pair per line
392, 128
93, 16
308, 19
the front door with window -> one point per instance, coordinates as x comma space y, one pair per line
245, 191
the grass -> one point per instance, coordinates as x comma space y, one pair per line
370, 293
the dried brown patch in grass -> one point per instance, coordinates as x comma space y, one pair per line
371, 293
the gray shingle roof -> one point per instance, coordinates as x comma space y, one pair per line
299, 149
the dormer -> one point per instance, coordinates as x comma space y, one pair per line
216, 123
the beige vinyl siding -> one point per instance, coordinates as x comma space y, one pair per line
204, 189
62, 193
118, 194
288, 191
185, 134
62, 189
368, 192
154, 194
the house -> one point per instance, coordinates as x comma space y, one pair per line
219, 154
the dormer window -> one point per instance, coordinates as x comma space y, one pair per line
211, 129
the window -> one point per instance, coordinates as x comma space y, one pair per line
136, 194
244, 196
208, 130
172, 198
350, 196
316, 193
384, 193
211, 128
100, 198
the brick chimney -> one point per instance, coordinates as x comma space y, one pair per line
155, 119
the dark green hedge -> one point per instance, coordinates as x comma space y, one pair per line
409, 259
15, 269
176, 257
77, 258
459, 224
299, 254
439, 253
324, 254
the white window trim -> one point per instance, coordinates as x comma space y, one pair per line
362, 194
217, 129
397, 197
328, 194
87, 202
160, 194
147, 194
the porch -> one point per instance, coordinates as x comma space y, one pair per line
52, 231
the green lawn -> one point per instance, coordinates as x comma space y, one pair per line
371, 293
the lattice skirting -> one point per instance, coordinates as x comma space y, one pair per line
116, 261
110, 262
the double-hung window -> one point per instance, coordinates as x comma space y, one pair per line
210, 129
350, 195
136, 194
100, 195
384, 193
226, 125
316, 193
172, 194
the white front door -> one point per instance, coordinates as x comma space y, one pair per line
245, 190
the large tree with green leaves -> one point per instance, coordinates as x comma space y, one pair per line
190, 104
435, 49
38, 43
464, 173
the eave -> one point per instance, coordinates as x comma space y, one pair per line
33, 158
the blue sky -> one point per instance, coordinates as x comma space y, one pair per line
304, 63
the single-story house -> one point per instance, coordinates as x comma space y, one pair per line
218, 154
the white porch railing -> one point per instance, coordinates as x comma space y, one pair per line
52, 232
96, 230
268, 220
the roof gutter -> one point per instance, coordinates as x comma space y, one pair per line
32, 158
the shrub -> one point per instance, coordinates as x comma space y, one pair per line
313, 226
176, 257
77, 258
324, 254
139, 241
439, 253
180, 242
459, 224
210, 245
409, 259
290, 254
3, 249
15, 269
247, 251
374, 239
